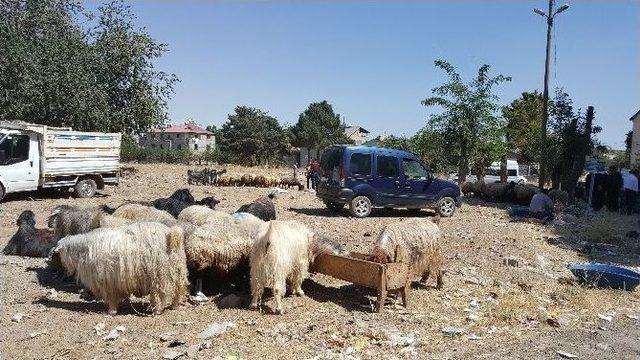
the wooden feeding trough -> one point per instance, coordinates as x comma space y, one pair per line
356, 269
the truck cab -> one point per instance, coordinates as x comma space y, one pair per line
35, 156
364, 177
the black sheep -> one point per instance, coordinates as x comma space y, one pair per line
183, 195
29, 241
174, 206
263, 208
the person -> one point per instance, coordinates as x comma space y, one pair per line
629, 192
613, 187
315, 173
541, 206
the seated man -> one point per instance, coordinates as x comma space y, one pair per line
541, 206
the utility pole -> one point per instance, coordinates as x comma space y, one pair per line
545, 94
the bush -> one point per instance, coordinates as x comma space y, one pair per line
130, 151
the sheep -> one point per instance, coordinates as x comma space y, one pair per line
140, 259
262, 207
522, 194
137, 212
416, 242
280, 256
559, 196
70, 220
494, 191
28, 240
174, 205
199, 215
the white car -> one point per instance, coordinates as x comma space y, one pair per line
492, 174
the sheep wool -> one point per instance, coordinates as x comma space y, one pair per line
70, 220
140, 259
217, 248
199, 215
137, 212
415, 241
279, 256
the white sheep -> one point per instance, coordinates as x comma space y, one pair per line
137, 212
140, 259
199, 215
280, 256
417, 242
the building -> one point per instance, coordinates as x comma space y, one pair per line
182, 136
635, 141
358, 134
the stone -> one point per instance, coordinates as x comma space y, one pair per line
566, 355
453, 331
511, 261
172, 354
602, 346
216, 329
17, 317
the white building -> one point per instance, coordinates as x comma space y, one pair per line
358, 134
183, 136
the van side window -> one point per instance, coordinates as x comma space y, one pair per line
512, 172
360, 164
14, 149
387, 166
413, 169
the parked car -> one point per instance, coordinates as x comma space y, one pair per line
492, 174
34, 157
364, 177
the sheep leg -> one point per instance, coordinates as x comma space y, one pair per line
296, 283
256, 292
425, 276
439, 280
112, 305
278, 292
198, 287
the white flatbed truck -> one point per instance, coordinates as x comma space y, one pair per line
36, 157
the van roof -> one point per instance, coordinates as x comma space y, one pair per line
376, 149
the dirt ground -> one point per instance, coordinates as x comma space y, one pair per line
487, 309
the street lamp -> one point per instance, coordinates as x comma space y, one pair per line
545, 95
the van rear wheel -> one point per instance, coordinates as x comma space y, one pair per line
360, 206
85, 188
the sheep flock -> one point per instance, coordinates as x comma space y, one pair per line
178, 246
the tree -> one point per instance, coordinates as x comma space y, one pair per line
468, 122
59, 67
252, 137
628, 145
524, 117
318, 127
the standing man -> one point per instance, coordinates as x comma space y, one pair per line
315, 173
613, 187
629, 192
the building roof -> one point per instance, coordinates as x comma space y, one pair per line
188, 127
635, 115
354, 129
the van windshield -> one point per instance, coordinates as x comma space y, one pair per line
330, 162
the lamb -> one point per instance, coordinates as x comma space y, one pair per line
28, 240
262, 207
70, 220
137, 212
280, 257
140, 259
415, 241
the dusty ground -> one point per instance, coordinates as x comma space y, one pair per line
501, 312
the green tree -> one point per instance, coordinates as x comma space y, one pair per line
524, 117
468, 123
59, 67
318, 127
252, 137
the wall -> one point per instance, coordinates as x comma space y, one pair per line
195, 143
635, 145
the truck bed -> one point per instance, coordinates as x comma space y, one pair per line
72, 152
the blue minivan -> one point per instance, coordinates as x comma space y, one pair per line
364, 177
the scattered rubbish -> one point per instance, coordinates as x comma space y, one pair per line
566, 355
216, 329
99, 328
453, 331
633, 317
172, 354
474, 337
52, 294
17, 317
602, 346
176, 342
511, 261
199, 298
36, 334
392, 337
473, 318
605, 317
115, 333
167, 337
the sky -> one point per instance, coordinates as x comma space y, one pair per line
373, 60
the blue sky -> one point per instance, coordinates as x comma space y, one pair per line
374, 60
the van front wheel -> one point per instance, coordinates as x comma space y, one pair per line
85, 188
360, 206
446, 206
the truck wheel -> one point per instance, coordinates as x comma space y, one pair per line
334, 207
446, 206
360, 206
85, 188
